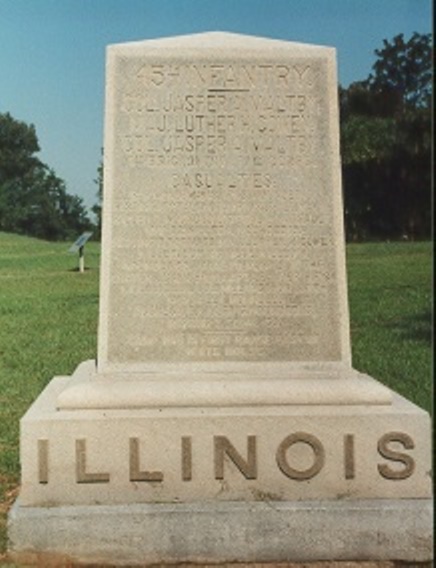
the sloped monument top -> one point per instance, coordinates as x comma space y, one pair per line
223, 246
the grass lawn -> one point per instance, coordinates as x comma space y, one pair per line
48, 324
390, 297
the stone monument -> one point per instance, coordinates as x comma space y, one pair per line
223, 420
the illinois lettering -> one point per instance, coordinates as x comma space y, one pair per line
394, 450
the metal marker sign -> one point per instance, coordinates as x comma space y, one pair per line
81, 241
78, 246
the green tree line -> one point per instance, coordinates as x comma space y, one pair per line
385, 145
33, 199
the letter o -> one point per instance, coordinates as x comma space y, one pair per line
318, 451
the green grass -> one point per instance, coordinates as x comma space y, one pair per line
390, 296
48, 324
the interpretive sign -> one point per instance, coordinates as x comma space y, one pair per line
79, 246
80, 242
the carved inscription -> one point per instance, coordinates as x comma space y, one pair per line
135, 473
186, 458
82, 475
218, 76
296, 466
386, 450
223, 447
203, 115
222, 219
349, 464
43, 461
318, 455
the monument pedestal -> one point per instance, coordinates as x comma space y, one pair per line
188, 454
209, 484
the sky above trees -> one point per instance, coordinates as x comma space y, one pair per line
52, 55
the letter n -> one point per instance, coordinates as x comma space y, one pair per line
222, 447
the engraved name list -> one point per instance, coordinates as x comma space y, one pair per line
218, 223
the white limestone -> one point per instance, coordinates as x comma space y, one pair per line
209, 533
223, 421
179, 387
223, 269
336, 453
223, 236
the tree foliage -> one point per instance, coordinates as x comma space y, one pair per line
403, 72
97, 207
386, 144
33, 200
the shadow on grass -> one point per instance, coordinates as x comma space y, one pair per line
416, 328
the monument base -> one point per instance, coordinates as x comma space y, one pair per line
247, 484
207, 533
220, 385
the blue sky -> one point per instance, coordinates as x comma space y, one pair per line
52, 55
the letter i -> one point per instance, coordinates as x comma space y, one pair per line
186, 458
43, 461
349, 465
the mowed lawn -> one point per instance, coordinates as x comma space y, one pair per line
48, 324
390, 296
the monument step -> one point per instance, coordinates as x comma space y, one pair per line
90, 390
217, 533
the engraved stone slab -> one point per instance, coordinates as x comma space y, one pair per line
176, 454
222, 237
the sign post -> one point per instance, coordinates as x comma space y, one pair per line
79, 246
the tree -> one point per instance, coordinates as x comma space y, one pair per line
97, 208
386, 144
403, 72
18, 144
33, 200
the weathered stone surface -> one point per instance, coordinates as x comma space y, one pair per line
223, 269
223, 237
209, 533
275, 385
210, 454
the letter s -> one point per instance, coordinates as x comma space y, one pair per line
392, 455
